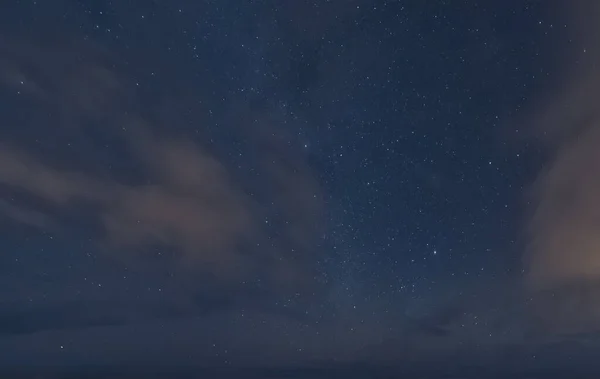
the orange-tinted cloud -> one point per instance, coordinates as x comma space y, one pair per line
563, 251
563, 230
189, 200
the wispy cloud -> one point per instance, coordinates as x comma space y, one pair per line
563, 241
186, 198
25, 216
563, 252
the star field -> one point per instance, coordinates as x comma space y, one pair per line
329, 185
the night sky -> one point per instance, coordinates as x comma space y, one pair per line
306, 189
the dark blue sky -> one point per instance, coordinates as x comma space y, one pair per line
306, 184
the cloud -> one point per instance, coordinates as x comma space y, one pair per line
180, 195
563, 250
25, 216
562, 230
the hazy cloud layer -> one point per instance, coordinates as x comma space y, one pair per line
565, 221
183, 196
563, 253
